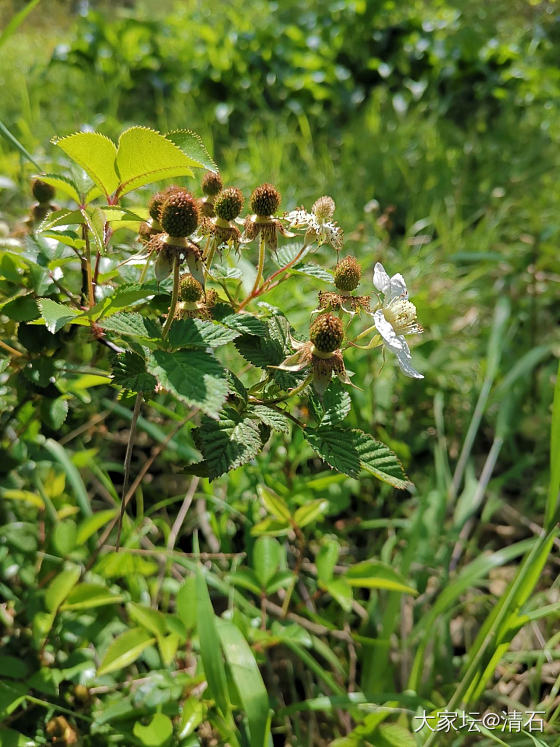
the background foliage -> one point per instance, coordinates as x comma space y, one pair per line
435, 127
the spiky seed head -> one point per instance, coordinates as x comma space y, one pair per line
347, 274
265, 200
229, 203
157, 200
42, 192
211, 183
326, 333
179, 214
190, 289
323, 208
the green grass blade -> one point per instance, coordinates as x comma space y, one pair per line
17, 20
74, 477
552, 502
12, 139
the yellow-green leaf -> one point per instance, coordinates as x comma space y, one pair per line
96, 154
24, 495
124, 650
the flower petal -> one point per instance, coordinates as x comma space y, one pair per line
393, 341
406, 368
380, 278
397, 288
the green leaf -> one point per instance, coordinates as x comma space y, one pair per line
87, 596
95, 221
56, 315
326, 560
228, 443
62, 184
21, 308
271, 527
314, 271
267, 555
186, 603
553, 499
125, 294
248, 681
92, 524
274, 504
341, 590
15, 494
12, 139
246, 324
373, 574
96, 154
15, 22
124, 650
349, 450
123, 564
272, 418
157, 733
64, 537
336, 404
194, 376
152, 620
199, 333
310, 512
129, 371
210, 649
192, 146
145, 156
62, 217
54, 412
60, 587
132, 324
192, 715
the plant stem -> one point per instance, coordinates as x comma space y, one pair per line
174, 298
291, 393
127, 460
10, 349
89, 279
260, 267
291, 263
210, 257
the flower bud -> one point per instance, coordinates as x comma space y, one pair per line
265, 200
211, 183
179, 214
326, 333
347, 274
229, 203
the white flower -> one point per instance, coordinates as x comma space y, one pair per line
396, 317
320, 227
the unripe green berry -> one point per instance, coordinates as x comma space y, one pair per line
179, 214
229, 203
42, 192
347, 274
265, 200
190, 289
326, 333
211, 183
157, 200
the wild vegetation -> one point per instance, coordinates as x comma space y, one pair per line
301, 561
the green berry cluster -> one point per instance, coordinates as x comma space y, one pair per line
347, 274
265, 200
229, 203
326, 333
179, 214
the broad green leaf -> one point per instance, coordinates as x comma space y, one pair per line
199, 333
152, 620
276, 420
192, 146
186, 603
246, 578
124, 564
96, 154
210, 649
92, 524
326, 560
341, 590
15, 494
194, 376
60, 587
228, 443
64, 537
129, 371
336, 404
192, 715
310, 512
124, 296
248, 681
124, 650
62, 184
131, 324
62, 217
145, 156
56, 315
373, 574
314, 271
11, 696
54, 412
279, 581
157, 733
168, 646
21, 308
12, 738
271, 527
95, 221
274, 504
87, 596
267, 555
246, 324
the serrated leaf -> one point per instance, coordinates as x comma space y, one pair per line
194, 376
54, 412
124, 295
145, 156
199, 333
96, 154
219, 272
95, 220
132, 324
124, 650
228, 443
192, 146
373, 574
246, 324
62, 217
62, 184
56, 315
272, 418
129, 371
336, 404
315, 271
349, 450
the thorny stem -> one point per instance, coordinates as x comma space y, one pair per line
174, 298
291, 263
127, 460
